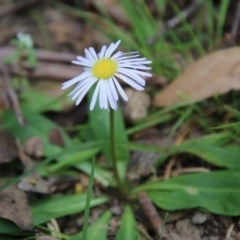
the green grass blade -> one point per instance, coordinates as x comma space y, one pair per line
211, 149
128, 228
221, 17
88, 202
58, 206
98, 230
100, 174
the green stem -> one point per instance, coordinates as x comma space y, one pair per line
112, 151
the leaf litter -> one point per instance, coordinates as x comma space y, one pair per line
14, 206
58, 70
215, 74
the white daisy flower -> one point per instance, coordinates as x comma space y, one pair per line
105, 69
25, 39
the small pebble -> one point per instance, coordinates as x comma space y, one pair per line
199, 218
137, 105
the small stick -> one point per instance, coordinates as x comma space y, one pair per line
10, 8
171, 23
41, 55
229, 231
189, 170
151, 213
12, 96
168, 170
236, 21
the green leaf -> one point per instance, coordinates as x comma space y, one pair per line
59, 206
36, 126
218, 192
212, 139
210, 149
98, 230
8, 227
128, 228
99, 123
37, 100
100, 174
88, 202
72, 159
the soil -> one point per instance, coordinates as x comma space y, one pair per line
55, 29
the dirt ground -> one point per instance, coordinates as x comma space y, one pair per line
59, 31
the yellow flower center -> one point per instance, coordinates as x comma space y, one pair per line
104, 68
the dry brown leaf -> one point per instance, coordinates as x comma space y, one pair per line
62, 27
33, 182
14, 207
114, 8
8, 148
215, 73
56, 138
34, 147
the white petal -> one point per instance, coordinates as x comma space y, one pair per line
84, 60
94, 97
135, 71
93, 52
102, 52
126, 56
130, 82
134, 66
112, 48
83, 93
120, 90
76, 89
134, 77
104, 94
82, 85
81, 89
111, 99
89, 55
113, 89
76, 79
101, 96
85, 64
117, 55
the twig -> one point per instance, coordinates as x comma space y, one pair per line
172, 23
168, 170
189, 170
151, 213
51, 65
236, 21
144, 232
41, 55
10, 8
11, 96
229, 231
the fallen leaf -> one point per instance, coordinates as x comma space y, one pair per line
14, 207
34, 147
8, 148
56, 138
62, 27
113, 8
33, 182
214, 74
